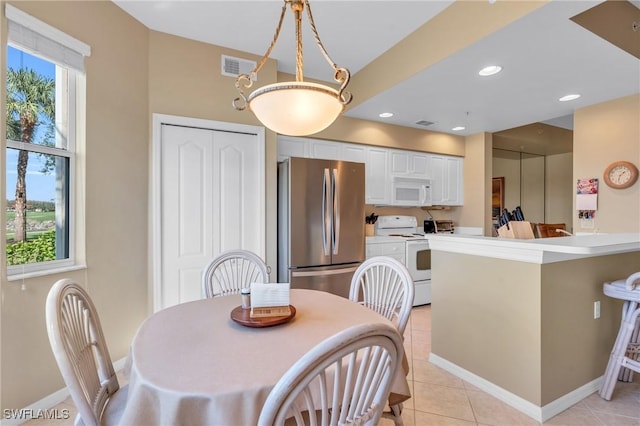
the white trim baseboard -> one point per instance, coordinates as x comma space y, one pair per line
540, 414
49, 401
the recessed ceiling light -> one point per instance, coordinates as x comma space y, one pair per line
458, 128
385, 114
490, 70
569, 98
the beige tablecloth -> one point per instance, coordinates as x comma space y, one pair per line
190, 364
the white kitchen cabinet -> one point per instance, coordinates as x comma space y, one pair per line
325, 150
292, 147
353, 152
382, 165
408, 163
391, 249
377, 182
446, 180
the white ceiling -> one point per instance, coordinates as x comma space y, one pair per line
544, 56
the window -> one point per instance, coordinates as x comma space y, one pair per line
44, 77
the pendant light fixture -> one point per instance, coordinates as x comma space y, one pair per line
295, 108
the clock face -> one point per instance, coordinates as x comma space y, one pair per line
621, 174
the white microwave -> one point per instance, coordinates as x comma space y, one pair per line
408, 191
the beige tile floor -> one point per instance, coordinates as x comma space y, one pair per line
440, 398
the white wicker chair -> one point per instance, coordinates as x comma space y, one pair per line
343, 380
384, 285
231, 271
81, 352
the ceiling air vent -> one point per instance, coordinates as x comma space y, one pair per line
233, 67
424, 123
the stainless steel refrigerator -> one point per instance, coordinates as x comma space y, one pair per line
320, 223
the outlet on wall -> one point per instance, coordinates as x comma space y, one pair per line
596, 309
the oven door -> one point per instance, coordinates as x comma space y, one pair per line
418, 259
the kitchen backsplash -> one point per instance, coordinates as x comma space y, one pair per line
449, 213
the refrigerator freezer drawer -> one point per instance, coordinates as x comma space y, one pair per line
336, 280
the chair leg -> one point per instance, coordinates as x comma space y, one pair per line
395, 414
633, 353
617, 357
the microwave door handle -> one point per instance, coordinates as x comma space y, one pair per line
335, 240
427, 194
325, 212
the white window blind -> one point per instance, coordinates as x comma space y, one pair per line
41, 39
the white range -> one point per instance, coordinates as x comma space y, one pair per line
400, 237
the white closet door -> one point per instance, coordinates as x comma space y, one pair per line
212, 186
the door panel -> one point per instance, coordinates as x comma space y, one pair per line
186, 190
211, 201
306, 215
349, 222
335, 280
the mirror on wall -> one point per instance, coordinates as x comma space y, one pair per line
522, 180
536, 162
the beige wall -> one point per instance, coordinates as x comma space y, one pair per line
185, 80
525, 327
477, 184
116, 163
373, 133
605, 133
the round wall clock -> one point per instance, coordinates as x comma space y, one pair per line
621, 174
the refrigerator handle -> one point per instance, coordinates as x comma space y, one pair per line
335, 234
325, 212
320, 273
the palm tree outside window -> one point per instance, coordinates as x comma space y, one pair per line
38, 160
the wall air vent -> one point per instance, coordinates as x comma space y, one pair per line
424, 123
233, 67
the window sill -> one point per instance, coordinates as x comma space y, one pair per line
45, 272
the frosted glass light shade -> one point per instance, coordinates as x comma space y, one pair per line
296, 108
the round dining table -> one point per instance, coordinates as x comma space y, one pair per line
191, 364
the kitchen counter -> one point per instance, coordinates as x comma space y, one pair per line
539, 250
517, 317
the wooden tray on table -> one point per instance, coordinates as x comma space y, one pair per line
243, 317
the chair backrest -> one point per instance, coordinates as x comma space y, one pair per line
546, 230
384, 284
231, 271
346, 379
80, 349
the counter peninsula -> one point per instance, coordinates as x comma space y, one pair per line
516, 317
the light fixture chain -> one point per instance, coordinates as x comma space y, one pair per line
299, 55
341, 75
273, 42
312, 106
246, 80
317, 37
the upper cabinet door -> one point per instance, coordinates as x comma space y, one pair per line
446, 180
378, 184
408, 163
292, 147
352, 152
325, 150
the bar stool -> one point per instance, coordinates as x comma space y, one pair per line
625, 356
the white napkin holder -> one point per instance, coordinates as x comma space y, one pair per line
270, 300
